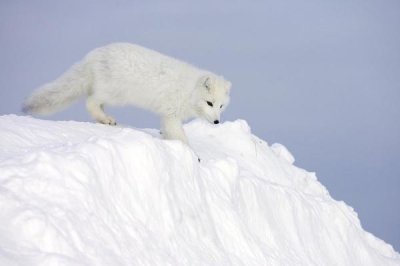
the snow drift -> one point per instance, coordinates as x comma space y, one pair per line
87, 194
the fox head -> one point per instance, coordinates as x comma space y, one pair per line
212, 97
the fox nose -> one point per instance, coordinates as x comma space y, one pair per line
216, 121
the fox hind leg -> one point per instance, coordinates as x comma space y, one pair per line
95, 109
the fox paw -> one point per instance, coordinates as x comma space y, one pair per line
108, 121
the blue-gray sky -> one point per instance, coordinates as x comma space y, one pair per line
320, 77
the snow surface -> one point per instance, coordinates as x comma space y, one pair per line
74, 193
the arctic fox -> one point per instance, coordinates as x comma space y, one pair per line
127, 74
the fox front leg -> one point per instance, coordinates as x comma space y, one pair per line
171, 128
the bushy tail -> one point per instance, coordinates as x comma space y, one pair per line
57, 95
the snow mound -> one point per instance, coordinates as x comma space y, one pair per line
76, 193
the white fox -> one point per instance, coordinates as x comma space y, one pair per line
122, 73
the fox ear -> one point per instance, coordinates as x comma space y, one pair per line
207, 82
228, 87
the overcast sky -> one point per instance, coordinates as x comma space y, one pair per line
320, 77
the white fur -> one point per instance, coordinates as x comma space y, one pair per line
123, 73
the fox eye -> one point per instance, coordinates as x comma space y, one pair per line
221, 106
210, 103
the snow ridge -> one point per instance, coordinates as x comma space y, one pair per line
74, 193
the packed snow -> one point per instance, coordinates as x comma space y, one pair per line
74, 193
